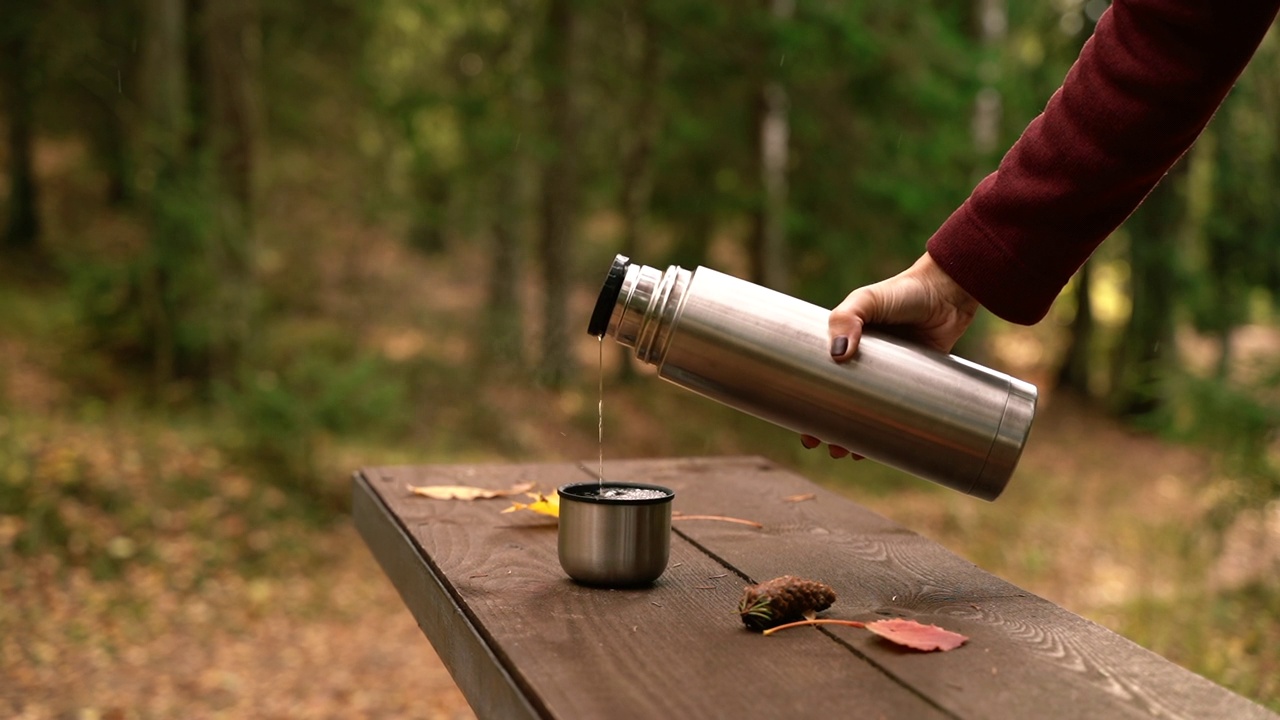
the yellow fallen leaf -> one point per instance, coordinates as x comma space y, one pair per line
465, 492
542, 504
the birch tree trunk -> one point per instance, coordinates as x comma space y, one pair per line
992, 28
770, 264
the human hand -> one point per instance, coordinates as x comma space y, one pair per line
924, 304
921, 303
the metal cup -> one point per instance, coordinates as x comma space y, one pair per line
614, 541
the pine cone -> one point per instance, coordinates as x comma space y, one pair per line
782, 600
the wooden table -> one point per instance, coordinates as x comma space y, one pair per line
522, 640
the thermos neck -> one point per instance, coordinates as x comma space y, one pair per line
637, 306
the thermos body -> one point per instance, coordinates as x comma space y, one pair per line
765, 353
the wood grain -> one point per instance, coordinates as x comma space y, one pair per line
1026, 657
489, 593
676, 649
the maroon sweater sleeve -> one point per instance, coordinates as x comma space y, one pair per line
1143, 88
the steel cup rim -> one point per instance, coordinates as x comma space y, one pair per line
577, 492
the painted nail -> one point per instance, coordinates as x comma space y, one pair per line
839, 346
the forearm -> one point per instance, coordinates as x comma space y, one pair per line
1143, 89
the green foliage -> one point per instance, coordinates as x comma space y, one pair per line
1240, 423
161, 308
281, 420
1228, 636
309, 64
881, 158
1235, 255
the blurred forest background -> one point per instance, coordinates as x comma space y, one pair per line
249, 246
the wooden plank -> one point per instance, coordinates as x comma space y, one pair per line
676, 649
1026, 657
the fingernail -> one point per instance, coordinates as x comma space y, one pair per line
839, 346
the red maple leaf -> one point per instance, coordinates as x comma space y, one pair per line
914, 635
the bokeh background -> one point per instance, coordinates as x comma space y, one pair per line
249, 246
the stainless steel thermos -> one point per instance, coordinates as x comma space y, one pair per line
765, 353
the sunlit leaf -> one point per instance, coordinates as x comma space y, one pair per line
542, 504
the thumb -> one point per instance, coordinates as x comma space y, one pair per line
846, 322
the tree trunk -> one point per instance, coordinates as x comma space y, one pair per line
165, 67
432, 209
19, 94
1073, 374
1076, 369
233, 65
643, 62
106, 77
559, 191
991, 26
492, 123
770, 264
1147, 341
166, 62
503, 332
109, 136
233, 106
695, 225
637, 164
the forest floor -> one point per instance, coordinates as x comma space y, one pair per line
151, 573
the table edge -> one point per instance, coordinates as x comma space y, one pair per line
479, 673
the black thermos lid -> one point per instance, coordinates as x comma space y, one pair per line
608, 296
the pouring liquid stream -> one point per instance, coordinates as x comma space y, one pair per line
600, 413
623, 493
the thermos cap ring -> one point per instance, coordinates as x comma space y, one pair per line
599, 323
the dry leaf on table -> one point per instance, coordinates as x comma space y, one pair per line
915, 635
465, 492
